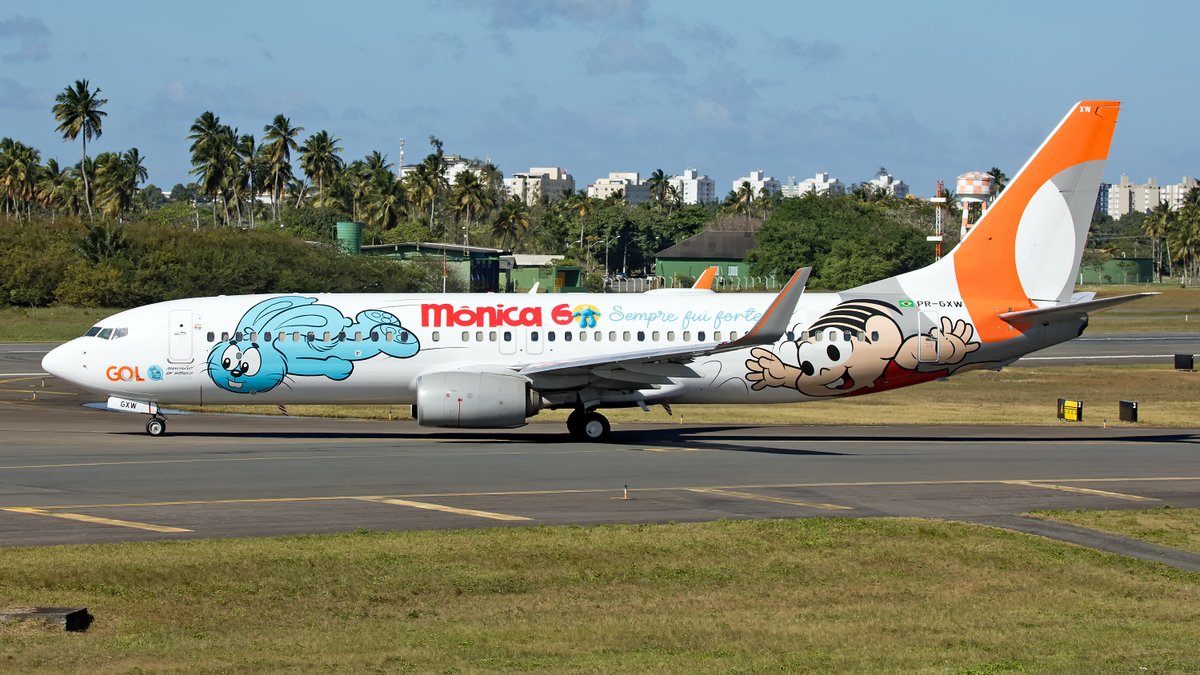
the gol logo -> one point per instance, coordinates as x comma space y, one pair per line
124, 374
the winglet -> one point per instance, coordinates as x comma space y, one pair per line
774, 322
705, 281
534, 288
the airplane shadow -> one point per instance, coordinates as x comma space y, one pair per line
728, 438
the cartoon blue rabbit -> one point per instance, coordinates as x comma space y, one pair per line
246, 365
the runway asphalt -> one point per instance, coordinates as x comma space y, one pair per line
70, 474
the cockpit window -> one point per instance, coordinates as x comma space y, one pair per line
92, 331
120, 333
105, 333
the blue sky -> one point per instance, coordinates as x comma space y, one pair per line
928, 90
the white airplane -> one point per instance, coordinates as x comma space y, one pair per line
492, 361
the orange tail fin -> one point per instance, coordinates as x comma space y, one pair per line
1025, 251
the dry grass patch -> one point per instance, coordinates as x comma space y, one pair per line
1167, 526
829, 594
1024, 396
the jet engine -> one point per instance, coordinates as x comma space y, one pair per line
479, 400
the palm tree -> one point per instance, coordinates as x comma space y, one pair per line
582, 204
137, 166
743, 199
999, 180
511, 223
19, 169
279, 140
50, 185
433, 178
116, 184
424, 183
214, 158
248, 182
1184, 234
320, 160
1156, 225
468, 199
674, 197
376, 163
78, 111
658, 184
768, 201
385, 201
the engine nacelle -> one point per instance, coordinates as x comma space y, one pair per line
463, 399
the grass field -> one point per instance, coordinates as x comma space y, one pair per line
47, 324
1024, 396
1167, 526
1174, 310
849, 595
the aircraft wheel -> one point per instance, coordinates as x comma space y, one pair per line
575, 424
157, 426
595, 427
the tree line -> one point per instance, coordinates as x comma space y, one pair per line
106, 264
284, 182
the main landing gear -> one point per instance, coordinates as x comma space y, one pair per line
157, 426
588, 425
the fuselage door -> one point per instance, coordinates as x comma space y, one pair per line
928, 350
179, 343
508, 340
535, 337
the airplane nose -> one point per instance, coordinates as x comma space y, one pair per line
60, 361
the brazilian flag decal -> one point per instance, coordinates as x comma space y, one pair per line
906, 303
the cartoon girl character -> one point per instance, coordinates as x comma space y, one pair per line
259, 356
859, 346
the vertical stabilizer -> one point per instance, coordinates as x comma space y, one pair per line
1025, 251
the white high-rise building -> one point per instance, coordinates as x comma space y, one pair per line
1127, 197
885, 181
762, 184
1175, 194
628, 183
820, 184
553, 183
452, 165
694, 188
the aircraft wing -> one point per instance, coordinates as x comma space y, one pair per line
1068, 311
657, 366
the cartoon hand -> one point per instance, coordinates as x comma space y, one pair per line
767, 370
954, 340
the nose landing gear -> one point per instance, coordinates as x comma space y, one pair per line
157, 426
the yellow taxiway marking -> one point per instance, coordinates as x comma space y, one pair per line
767, 498
585, 491
1080, 490
215, 460
441, 507
95, 519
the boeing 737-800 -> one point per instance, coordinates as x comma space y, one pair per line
492, 361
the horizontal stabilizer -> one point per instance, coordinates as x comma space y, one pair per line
1073, 310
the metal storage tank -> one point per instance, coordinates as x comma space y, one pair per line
349, 236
